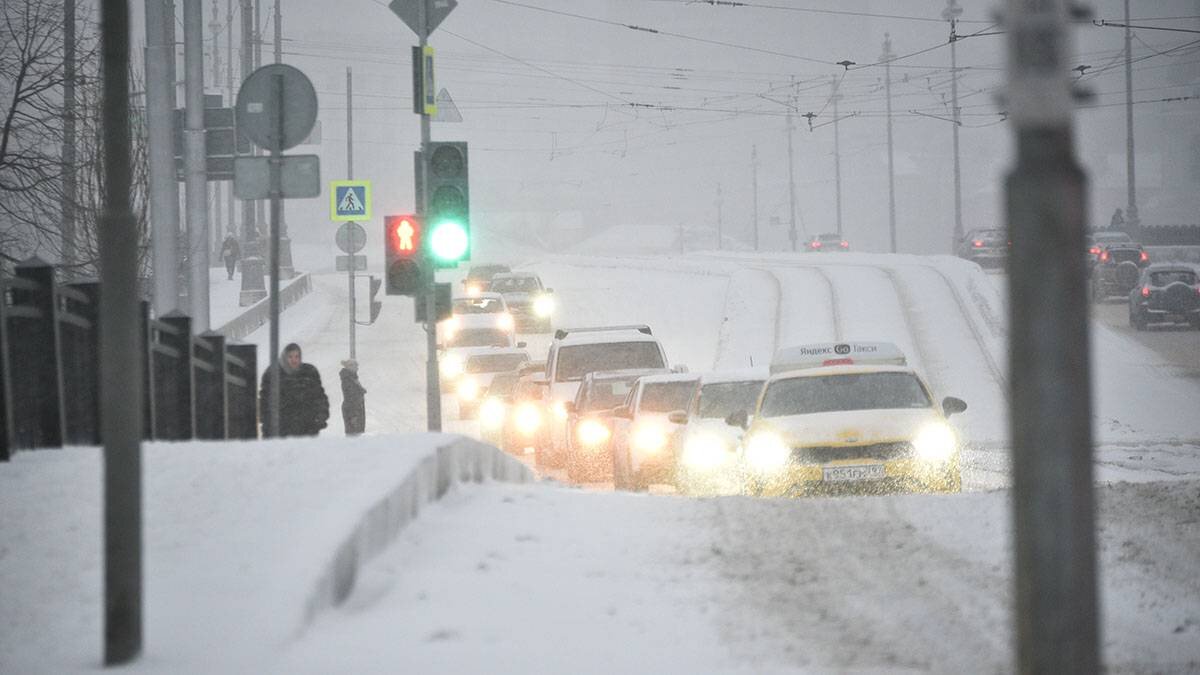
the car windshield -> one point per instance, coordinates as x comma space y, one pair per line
719, 400
515, 285
575, 361
829, 238
502, 385
605, 394
1108, 237
494, 363
528, 390
1171, 276
666, 396
830, 393
986, 234
485, 272
480, 337
478, 306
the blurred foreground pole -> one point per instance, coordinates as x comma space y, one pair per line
433, 389
120, 368
1051, 397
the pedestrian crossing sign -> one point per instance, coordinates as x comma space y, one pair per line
349, 200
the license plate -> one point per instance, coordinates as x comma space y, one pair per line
835, 474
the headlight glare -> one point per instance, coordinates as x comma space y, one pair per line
704, 451
468, 389
452, 366
491, 413
649, 438
935, 442
527, 418
504, 321
766, 452
592, 433
543, 306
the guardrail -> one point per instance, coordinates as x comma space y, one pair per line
260, 312
194, 386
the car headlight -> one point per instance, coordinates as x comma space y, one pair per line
474, 290
450, 326
704, 451
452, 366
592, 433
468, 390
766, 451
560, 410
543, 306
649, 438
935, 442
491, 413
527, 418
504, 321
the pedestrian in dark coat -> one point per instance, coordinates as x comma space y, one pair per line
354, 407
231, 252
303, 406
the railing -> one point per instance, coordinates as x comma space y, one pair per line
194, 386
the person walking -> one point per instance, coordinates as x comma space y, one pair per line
231, 252
303, 405
354, 408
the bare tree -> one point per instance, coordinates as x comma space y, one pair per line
32, 79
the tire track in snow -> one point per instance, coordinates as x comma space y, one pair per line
997, 374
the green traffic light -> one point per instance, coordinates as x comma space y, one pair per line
449, 241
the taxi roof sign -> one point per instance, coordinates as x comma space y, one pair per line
837, 353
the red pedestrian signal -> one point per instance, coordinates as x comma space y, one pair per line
402, 244
403, 235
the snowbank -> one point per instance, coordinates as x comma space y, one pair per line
245, 543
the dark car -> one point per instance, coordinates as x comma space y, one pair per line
1117, 269
829, 241
478, 277
987, 247
1165, 293
590, 424
531, 304
1097, 240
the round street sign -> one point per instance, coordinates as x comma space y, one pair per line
257, 110
351, 237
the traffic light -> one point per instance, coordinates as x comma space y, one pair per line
402, 242
449, 214
376, 305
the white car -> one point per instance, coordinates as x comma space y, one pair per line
642, 430
706, 447
481, 364
472, 331
575, 352
477, 311
848, 417
531, 304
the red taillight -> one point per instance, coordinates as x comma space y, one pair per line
845, 244
815, 244
1145, 291
1095, 250
1104, 256
1145, 256
977, 243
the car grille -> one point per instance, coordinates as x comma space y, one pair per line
823, 454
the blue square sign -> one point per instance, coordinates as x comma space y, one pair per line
350, 200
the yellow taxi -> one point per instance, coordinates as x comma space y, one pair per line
848, 418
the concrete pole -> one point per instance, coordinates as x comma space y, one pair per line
120, 365
216, 234
164, 189
1132, 221
67, 229
951, 14
286, 268
754, 189
231, 216
433, 388
254, 287
350, 176
259, 206
791, 185
1051, 418
195, 176
887, 57
837, 156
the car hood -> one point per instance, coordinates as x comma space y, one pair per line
564, 391
521, 298
850, 427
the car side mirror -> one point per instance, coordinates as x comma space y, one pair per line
520, 345
951, 405
623, 411
678, 417
738, 419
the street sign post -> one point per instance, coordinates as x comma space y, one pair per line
344, 263
351, 237
349, 200
299, 175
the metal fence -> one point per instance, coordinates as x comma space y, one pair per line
195, 386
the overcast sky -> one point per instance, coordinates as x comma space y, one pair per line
574, 118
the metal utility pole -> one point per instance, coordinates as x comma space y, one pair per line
230, 214
1132, 221
68, 145
1050, 382
720, 225
120, 367
433, 391
253, 282
195, 169
887, 57
259, 207
837, 155
754, 189
164, 189
276, 198
350, 176
285, 244
791, 185
951, 14
214, 29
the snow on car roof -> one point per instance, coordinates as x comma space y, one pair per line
468, 352
823, 371
1173, 267
586, 337
836, 353
515, 275
482, 295
736, 375
624, 374
470, 321
671, 377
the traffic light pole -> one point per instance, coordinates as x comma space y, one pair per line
433, 393
350, 176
